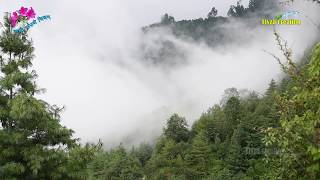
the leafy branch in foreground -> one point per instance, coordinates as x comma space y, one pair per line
299, 133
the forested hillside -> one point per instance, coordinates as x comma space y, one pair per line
248, 135
214, 31
270, 136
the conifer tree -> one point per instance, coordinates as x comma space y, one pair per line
198, 158
177, 129
232, 111
33, 144
272, 88
236, 157
213, 13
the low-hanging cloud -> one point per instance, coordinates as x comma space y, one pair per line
89, 59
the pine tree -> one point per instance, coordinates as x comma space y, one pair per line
143, 153
229, 93
167, 161
232, 111
177, 129
272, 88
33, 144
236, 157
120, 165
237, 11
213, 13
166, 19
198, 157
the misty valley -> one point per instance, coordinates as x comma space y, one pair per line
232, 95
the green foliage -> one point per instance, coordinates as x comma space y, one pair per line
272, 88
115, 165
168, 161
221, 141
33, 144
271, 136
143, 153
220, 174
199, 156
236, 151
177, 129
298, 135
232, 111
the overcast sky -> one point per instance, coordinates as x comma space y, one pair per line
86, 58
143, 12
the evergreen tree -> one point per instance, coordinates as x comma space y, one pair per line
259, 5
237, 11
33, 144
143, 153
166, 19
236, 157
167, 161
229, 93
177, 129
213, 13
272, 88
232, 111
199, 156
115, 165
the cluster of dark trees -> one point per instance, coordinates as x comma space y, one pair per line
203, 29
275, 135
214, 30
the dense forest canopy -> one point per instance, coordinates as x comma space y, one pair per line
275, 135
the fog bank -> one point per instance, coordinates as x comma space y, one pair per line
87, 58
